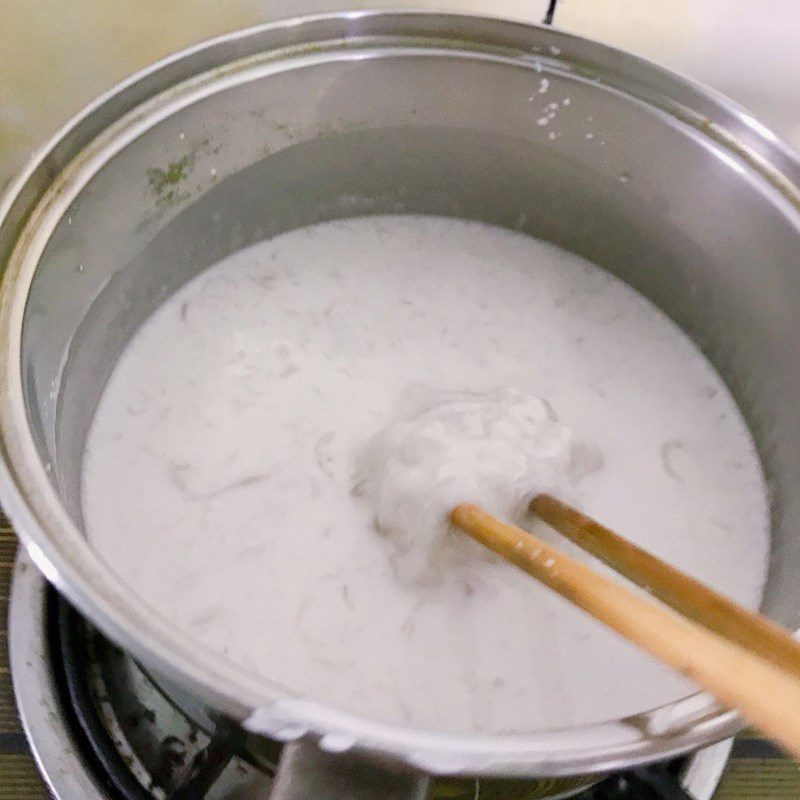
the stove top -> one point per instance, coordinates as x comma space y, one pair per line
103, 730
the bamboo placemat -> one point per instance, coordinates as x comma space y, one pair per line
19, 779
756, 771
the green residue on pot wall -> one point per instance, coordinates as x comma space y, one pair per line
165, 183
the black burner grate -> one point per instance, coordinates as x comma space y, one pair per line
654, 782
71, 644
71, 667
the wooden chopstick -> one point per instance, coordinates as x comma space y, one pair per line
685, 594
767, 695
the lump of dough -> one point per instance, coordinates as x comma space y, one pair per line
498, 449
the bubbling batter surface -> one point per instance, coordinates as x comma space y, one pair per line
231, 470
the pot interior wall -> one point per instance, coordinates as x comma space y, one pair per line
651, 199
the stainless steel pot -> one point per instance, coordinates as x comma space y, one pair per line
672, 188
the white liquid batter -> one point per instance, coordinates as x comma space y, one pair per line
221, 467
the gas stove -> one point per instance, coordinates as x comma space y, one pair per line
100, 728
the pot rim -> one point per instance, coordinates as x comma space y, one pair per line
31, 207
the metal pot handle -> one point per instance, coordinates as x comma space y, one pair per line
305, 772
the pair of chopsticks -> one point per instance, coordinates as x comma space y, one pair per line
744, 659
